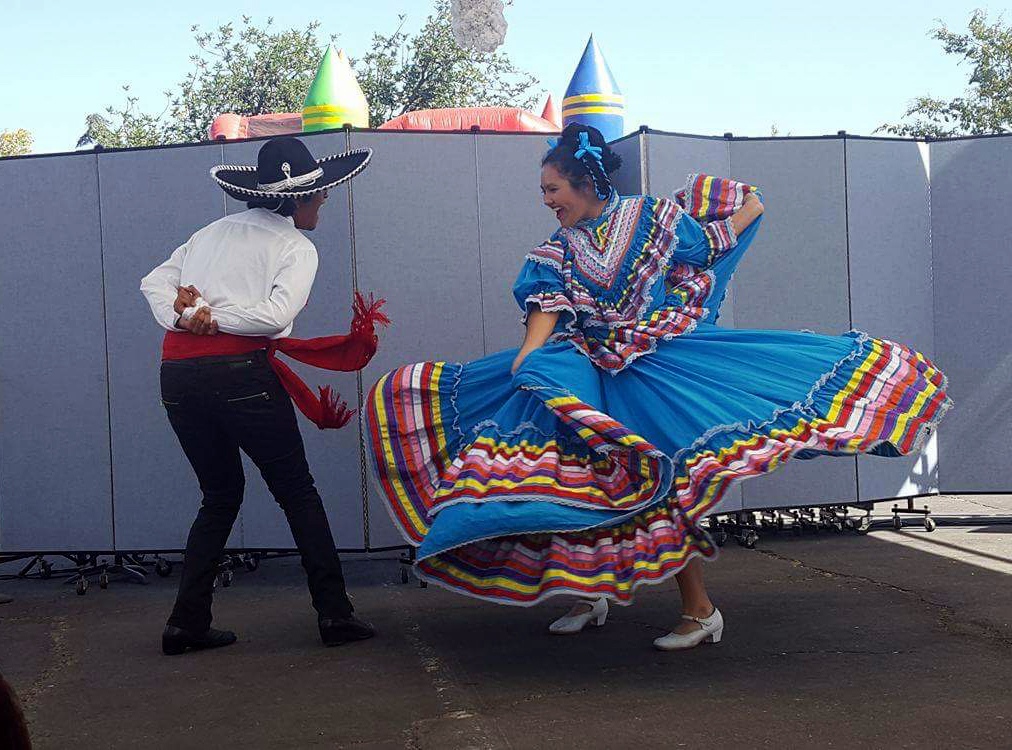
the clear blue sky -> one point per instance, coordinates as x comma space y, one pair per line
684, 66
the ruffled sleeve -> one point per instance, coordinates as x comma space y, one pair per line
540, 284
702, 245
703, 226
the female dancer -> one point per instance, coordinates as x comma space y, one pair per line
584, 461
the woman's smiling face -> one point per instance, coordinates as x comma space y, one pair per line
569, 204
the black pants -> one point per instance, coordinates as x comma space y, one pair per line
217, 406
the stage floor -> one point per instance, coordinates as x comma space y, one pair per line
899, 639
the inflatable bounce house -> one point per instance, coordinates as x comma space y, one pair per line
336, 99
593, 97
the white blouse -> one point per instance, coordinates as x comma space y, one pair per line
254, 269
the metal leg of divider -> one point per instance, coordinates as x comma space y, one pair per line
929, 523
407, 560
745, 527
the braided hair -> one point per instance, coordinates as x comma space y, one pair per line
597, 162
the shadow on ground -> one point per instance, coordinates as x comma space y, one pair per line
831, 641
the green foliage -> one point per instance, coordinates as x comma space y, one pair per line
252, 73
253, 70
123, 127
15, 142
401, 73
986, 107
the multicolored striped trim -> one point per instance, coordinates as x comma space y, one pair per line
610, 468
721, 236
706, 198
882, 398
410, 423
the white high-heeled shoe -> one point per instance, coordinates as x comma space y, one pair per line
594, 610
710, 629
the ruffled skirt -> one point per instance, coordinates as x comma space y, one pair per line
567, 479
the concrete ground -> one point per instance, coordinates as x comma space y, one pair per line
894, 639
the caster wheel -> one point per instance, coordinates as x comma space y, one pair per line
750, 541
720, 538
404, 574
897, 523
163, 568
863, 526
838, 527
103, 581
226, 578
251, 563
423, 584
45, 570
929, 524
82, 587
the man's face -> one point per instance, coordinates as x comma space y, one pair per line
307, 214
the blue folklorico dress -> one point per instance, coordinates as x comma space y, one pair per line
589, 471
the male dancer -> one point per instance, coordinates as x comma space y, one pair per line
224, 389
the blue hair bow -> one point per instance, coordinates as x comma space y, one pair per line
552, 143
585, 148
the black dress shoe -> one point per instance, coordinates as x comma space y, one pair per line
176, 640
337, 630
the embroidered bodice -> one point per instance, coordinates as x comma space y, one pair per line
643, 270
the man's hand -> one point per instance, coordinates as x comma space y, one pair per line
200, 324
186, 296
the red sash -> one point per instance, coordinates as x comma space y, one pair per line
340, 353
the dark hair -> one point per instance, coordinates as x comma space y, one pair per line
287, 207
13, 730
576, 170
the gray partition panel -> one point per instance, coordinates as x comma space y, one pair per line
152, 201
795, 276
670, 158
889, 224
628, 180
512, 220
55, 485
970, 229
333, 455
416, 233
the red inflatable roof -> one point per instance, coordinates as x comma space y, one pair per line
229, 126
503, 119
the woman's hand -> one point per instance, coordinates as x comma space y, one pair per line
186, 296
519, 360
751, 209
539, 327
753, 202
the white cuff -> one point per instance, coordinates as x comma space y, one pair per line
189, 312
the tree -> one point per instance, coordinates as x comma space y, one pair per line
401, 73
15, 142
255, 70
251, 71
127, 128
986, 107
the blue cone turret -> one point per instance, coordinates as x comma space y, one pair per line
593, 97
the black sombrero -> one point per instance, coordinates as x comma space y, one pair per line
286, 169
